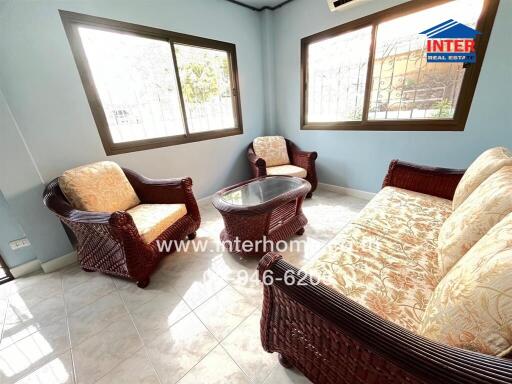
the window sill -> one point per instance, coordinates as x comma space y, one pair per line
387, 125
141, 145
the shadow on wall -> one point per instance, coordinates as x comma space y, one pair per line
244, 172
41, 226
337, 174
10, 229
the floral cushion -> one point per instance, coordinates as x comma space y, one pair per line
153, 219
485, 207
272, 149
386, 259
471, 307
98, 187
287, 170
484, 166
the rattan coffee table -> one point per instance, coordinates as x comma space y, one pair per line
263, 210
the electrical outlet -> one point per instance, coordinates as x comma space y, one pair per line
20, 243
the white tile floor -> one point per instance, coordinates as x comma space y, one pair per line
197, 322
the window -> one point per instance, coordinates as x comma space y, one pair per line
373, 74
150, 88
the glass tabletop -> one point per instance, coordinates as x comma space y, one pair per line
260, 191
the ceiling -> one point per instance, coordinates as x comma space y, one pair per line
261, 3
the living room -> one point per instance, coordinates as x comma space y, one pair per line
255, 191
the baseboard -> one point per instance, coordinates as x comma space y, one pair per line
347, 191
59, 262
25, 269
205, 200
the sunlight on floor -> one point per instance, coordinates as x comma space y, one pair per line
197, 320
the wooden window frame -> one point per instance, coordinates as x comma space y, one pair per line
72, 21
469, 82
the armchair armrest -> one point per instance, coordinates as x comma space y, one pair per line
440, 182
164, 191
296, 152
157, 191
301, 158
258, 164
309, 322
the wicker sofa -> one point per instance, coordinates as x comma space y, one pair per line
121, 239
275, 155
370, 319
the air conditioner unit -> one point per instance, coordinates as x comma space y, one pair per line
335, 5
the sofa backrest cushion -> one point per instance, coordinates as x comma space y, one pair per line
471, 306
485, 207
98, 187
272, 149
484, 166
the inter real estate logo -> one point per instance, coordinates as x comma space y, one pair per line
451, 42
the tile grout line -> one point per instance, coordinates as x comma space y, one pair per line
66, 316
116, 291
271, 371
36, 325
7, 304
193, 311
231, 357
73, 367
229, 354
68, 349
140, 338
94, 301
217, 343
96, 331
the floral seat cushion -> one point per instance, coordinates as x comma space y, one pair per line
98, 187
152, 220
386, 260
487, 205
471, 307
484, 166
272, 149
287, 170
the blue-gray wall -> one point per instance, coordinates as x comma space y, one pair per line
10, 229
22, 212
360, 159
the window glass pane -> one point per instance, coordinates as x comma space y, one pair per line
136, 83
404, 85
336, 77
206, 85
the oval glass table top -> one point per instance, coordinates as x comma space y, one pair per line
262, 190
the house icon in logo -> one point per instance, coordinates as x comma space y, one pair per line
450, 29
451, 42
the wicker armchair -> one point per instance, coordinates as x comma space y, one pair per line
110, 242
302, 159
333, 339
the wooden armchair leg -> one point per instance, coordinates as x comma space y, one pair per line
143, 283
283, 360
